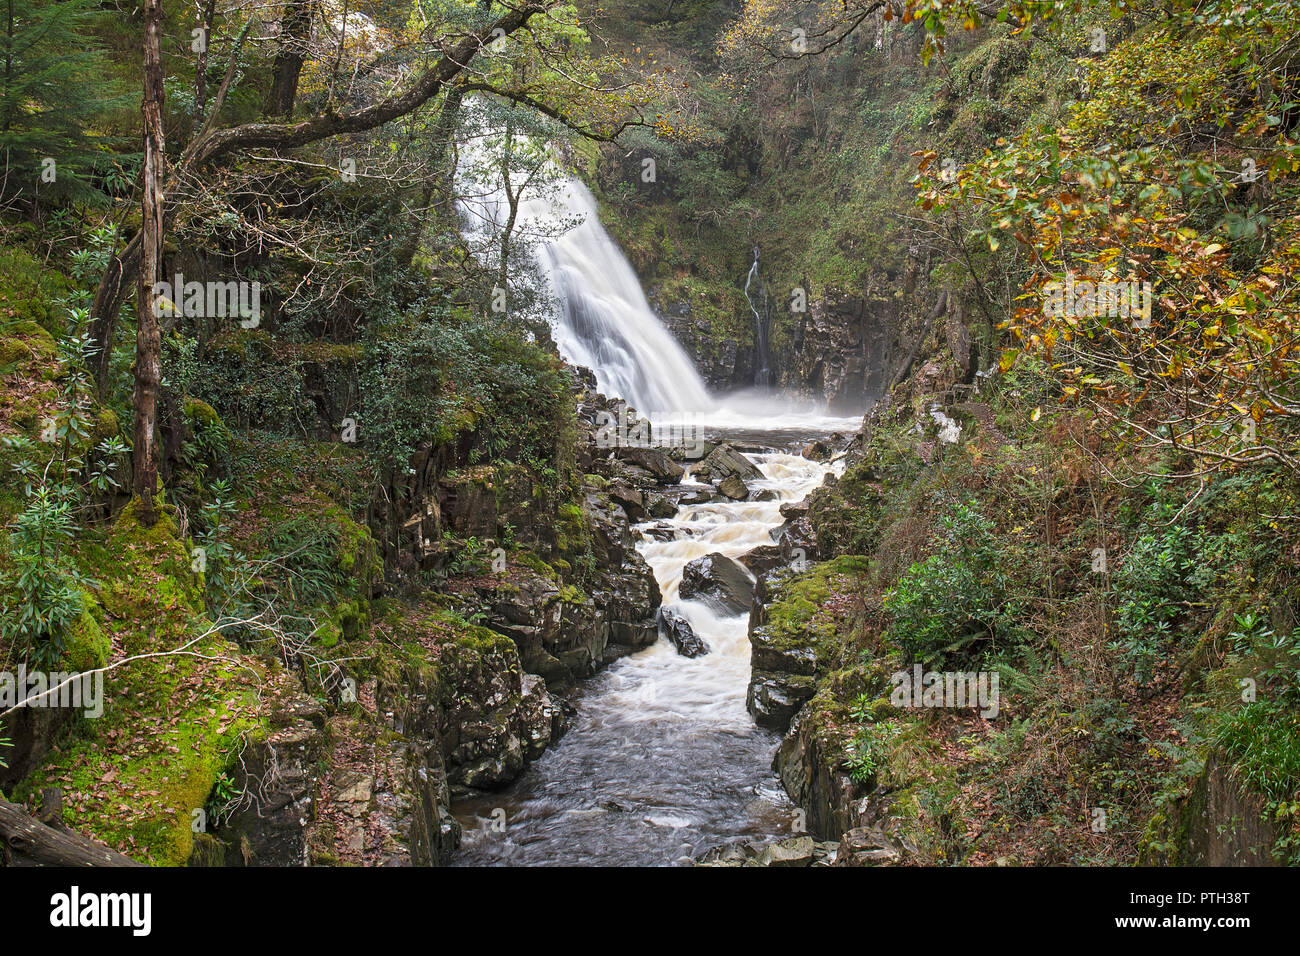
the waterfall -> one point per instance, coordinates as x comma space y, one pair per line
762, 356
605, 322
601, 318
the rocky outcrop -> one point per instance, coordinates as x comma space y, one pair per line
653, 462
277, 781
832, 801
796, 851
725, 462
861, 846
678, 630
720, 581
783, 660
498, 719
1219, 823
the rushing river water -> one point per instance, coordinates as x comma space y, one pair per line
662, 761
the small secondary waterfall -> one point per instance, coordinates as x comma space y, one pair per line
763, 377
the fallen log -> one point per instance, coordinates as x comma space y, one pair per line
25, 841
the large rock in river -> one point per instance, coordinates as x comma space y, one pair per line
678, 630
720, 581
654, 461
734, 487
724, 461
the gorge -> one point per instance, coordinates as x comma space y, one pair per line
579, 415
662, 761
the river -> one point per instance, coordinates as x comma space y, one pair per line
662, 761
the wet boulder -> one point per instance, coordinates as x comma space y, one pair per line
725, 461
677, 629
734, 487
773, 699
793, 510
654, 462
696, 496
660, 532
631, 499
659, 506
819, 450
763, 558
720, 581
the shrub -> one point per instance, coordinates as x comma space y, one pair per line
953, 606
1163, 573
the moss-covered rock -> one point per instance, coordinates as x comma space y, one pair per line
174, 715
796, 635
86, 646
31, 292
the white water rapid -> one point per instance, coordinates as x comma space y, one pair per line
662, 761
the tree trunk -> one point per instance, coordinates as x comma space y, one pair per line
295, 34
201, 64
25, 841
512, 202
436, 192
148, 337
212, 143
113, 289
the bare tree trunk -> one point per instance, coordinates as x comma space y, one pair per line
512, 202
148, 337
113, 289
436, 192
208, 15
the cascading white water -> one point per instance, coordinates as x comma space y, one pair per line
663, 761
603, 321
607, 324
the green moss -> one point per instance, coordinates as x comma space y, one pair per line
25, 340
86, 646
171, 723
201, 413
106, 426
31, 293
795, 615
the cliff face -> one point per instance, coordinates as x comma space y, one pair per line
846, 350
843, 350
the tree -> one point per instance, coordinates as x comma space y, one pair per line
1157, 239
293, 39
53, 92
148, 338
557, 85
